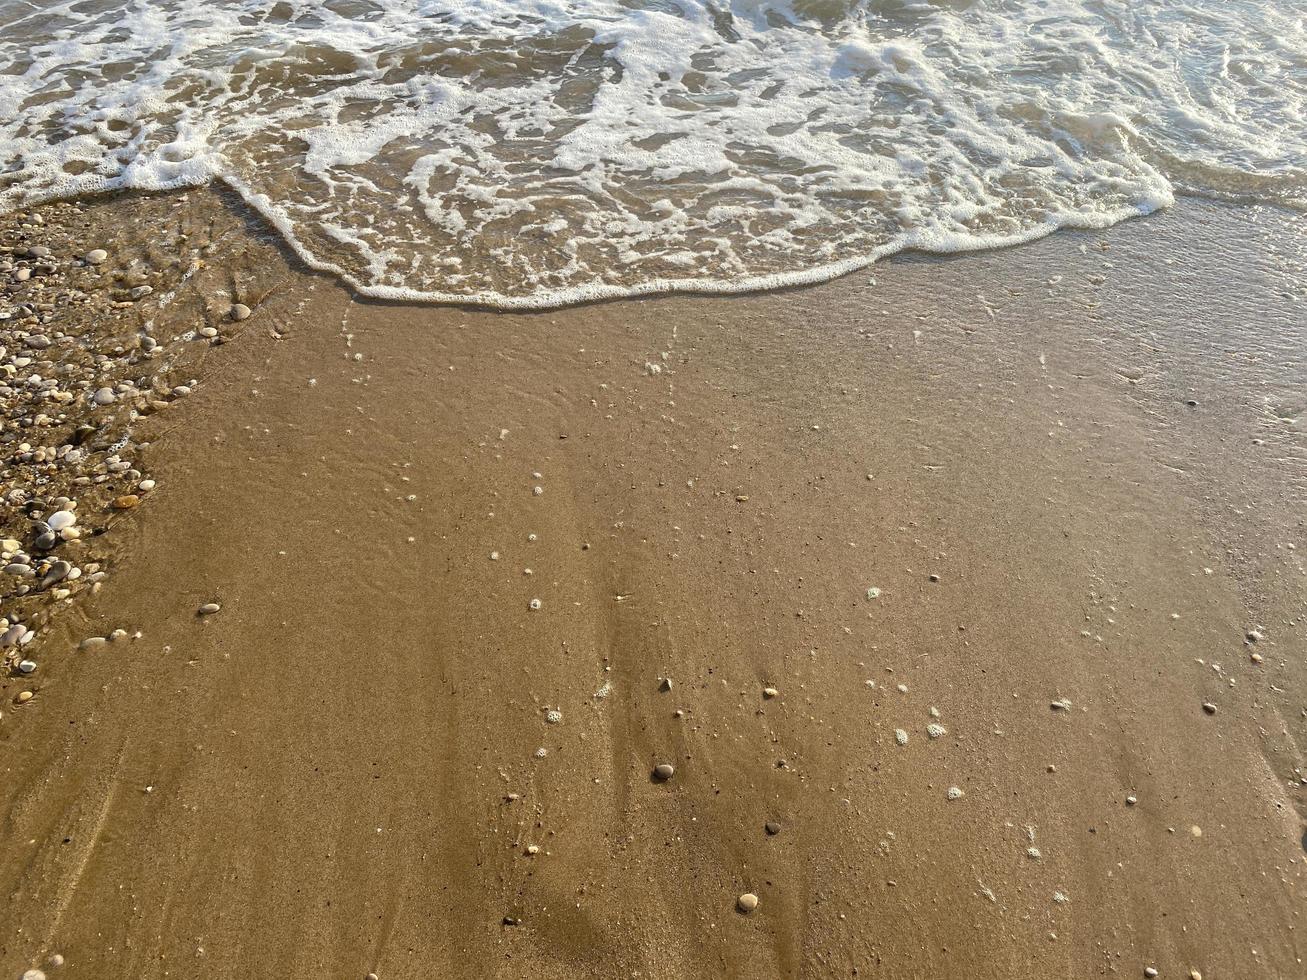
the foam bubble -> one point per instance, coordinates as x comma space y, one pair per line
537, 152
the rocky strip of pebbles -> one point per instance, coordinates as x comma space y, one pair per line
103, 323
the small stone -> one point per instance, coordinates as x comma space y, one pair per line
62, 519
371, 976
1255, 658
1150, 971
534, 604
145, 486
665, 685
95, 256
747, 902
770, 692
533, 849
1253, 636
664, 771
140, 292
934, 578
208, 333
553, 716
24, 697
92, 643
33, 975
104, 396
1131, 800
955, 793
1209, 707
873, 593
1195, 975
126, 502
58, 571
1062, 704
936, 730
26, 666
56, 960
209, 608
772, 828
46, 541
900, 736
240, 311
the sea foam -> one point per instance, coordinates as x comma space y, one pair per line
539, 152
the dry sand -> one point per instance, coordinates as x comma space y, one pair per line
351, 767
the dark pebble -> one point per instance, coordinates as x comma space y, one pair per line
772, 828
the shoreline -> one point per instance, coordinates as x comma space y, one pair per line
339, 771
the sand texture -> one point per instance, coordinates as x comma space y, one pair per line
969, 503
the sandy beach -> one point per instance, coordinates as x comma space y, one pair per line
965, 597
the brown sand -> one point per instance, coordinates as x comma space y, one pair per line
337, 773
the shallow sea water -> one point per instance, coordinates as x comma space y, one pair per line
538, 152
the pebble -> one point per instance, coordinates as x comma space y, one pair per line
140, 292
47, 540
747, 902
209, 608
126, 502
1253, 636
208, 333
1131, 800
24, 697
772, 828
553, 716
665, 685
34, 975
1063, 704
104, 396
664, 771
239, 312
935, 730
770, 692
371, 976
145, 486
92, 642
1150, 971
900, 736
534, 604
95, 256
26, 666
1209, 707
955, 793
62, 519
58, 571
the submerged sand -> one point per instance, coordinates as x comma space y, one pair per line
1075, 472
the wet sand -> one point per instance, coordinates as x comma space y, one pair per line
341, 771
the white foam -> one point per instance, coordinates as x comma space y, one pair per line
539, 152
